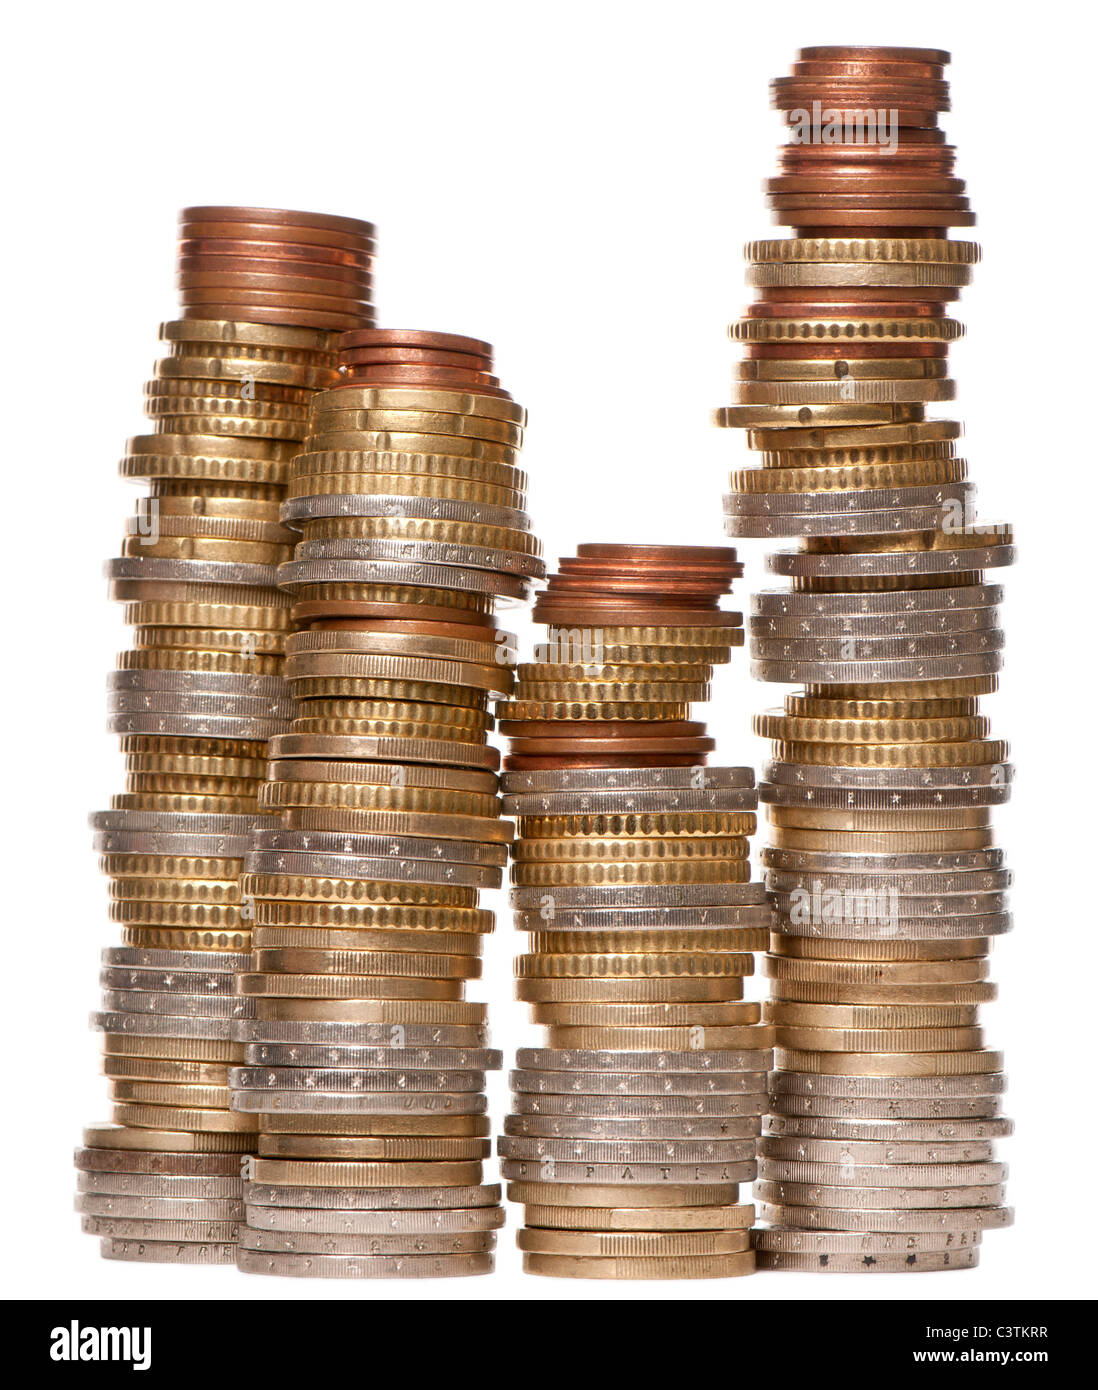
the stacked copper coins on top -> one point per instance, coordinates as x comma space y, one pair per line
878, 1151
365, 1063
195, 702
634, 1126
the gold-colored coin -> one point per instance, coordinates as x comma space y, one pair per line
208, 422
214, 639
634, 1245
549, 874
382, 1126
851, 478
192, 805
208, 916
826, 948
183, 660
174, 1094
899, 1016
185, 939
604, 692
202, 548
800, 992
198, 1121
166, 1140
266, 940
633, 849
174, 1049
855, 972
650, 991
236, 617
880, 1040
518, 710
301, 1173
203, 366
277, 796
957, 687
968, 753
824, 329
439, 457
856, 250
401, 485
349, 987
381, 1148
383, 728
383, 922
361, 916
634, 824
719, 939
646, 1016
367, 960
790, 728
534, 674
383, 775
400, 711
175, 890
167, 1069
370, 426
633, 1195
632, 965
816, 707
697, 1038
159, 784
881, 842
399, 1011
895, 822
364, 893
602, 1220
409, 528
406, 399
181, 866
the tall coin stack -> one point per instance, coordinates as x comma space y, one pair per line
364, 1064
878, 1153
634, 1126
195, 701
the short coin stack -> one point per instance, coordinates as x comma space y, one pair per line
365, 1063
195, 701
878, 1151
633, 1128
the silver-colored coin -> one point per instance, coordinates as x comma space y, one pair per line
329, 641
617, 779
896, 905
341, 1080
379, 749
800, 1083
156, 568
586, 1060
907, 799
885, 1220
373, 1199
784, 603
929, 779
313, 1242
154, 725
910, 884
183, 1232
161, 1208
629, 1083
798, 860
550, 918
388, 870
167, 843
197, 703
913, 1262
317, 506
852, 390
325, 1033
425, 552
208, 683
144, 958
153, 1162
427, 576
560, 1170
161, 1185
191, 982
859, 1197
644, 895
951, 1110
403, 1102
363, 1266
333, 844
403, 1224
962, 560
875, 672
867, 649
822, 1244
884, 927
658, 1151
614, 1106
794, 505
901, 521
398, 1059
940, 623
161, 1025
177, 822
624, 803
184, 1006
167, 1252
853, 1152
670, 1130
885, 1131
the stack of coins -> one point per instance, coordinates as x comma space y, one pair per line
195, 701
364, 1065
633, 1128
878, 1151
263, 265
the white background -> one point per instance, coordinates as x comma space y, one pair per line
573, 182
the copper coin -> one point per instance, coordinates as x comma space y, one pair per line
827, 352
333, 275
868, 202
659, 554
327, 609
414, 337
824, 296
409, 356
612, 747
214, 248
465, 632
871, 53
901, 222
565, 762
227, 294
290, 318
440, 378
587, 615
280, 217
327, 293
850, 308
599, 729
190, 230
868, 68
859, 180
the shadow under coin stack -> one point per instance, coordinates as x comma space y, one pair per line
632, 1129
365, 1064
878, 1154
195, 701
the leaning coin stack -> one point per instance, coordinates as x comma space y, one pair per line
634, 1126
195, 701
878, 1151
364, 1065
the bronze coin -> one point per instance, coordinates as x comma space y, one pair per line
291, 252
410, 356
280, 217
414, 337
